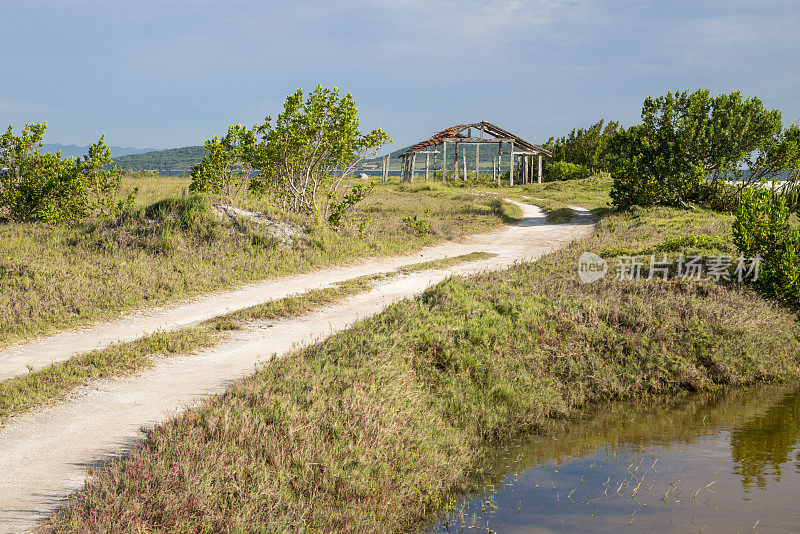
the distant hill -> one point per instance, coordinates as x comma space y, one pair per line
72, 151
182, 159
173, 159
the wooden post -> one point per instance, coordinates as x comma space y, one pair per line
540, 168
499, 161
427, 164
511, 167
464, 159
435, 154
477, 160
444, 161
455, 163
525, 171
413, 165
494, 167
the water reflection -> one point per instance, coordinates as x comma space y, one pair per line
761, 446
712, 463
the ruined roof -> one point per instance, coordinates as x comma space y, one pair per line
454, 132
437, 139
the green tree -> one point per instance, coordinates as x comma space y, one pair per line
585, 147
690, 143
313, 146
45, 187
226, 168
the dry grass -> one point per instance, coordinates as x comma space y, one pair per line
50, 384
444, 263
53, 278
380, 427
45, 386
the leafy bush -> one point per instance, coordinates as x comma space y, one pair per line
417, 225
226, 167
339, 209
44, 187
690, 144
762, 228
563, 170
586, 147
300, 162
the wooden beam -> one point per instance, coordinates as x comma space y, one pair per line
540, 169
477, 139
444, 162
511, 168
455, 162
427, 165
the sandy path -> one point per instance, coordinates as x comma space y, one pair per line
44, 454
18, 359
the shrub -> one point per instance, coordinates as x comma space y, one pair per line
226, 167
44, 187
690, 144
300, 161
339, 209
587, 147
763, 228
563, 170
417, 225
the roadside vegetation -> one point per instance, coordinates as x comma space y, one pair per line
381, 427
54, 277
80, 242
53, 383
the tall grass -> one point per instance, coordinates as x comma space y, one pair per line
57, 277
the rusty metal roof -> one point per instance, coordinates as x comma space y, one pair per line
454, 132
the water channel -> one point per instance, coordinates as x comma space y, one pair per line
723, 462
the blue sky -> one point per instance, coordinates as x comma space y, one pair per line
174, 73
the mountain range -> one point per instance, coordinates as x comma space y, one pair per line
73, 151
182, 159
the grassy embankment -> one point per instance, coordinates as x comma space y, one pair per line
171, 246
54, 382
381, 427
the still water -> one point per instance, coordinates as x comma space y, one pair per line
727, 462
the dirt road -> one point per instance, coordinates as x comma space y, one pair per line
44, 454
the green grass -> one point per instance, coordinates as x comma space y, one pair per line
444, 263
591, 193
555, 212
381, 427
170, 247
45, 386
50, 384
